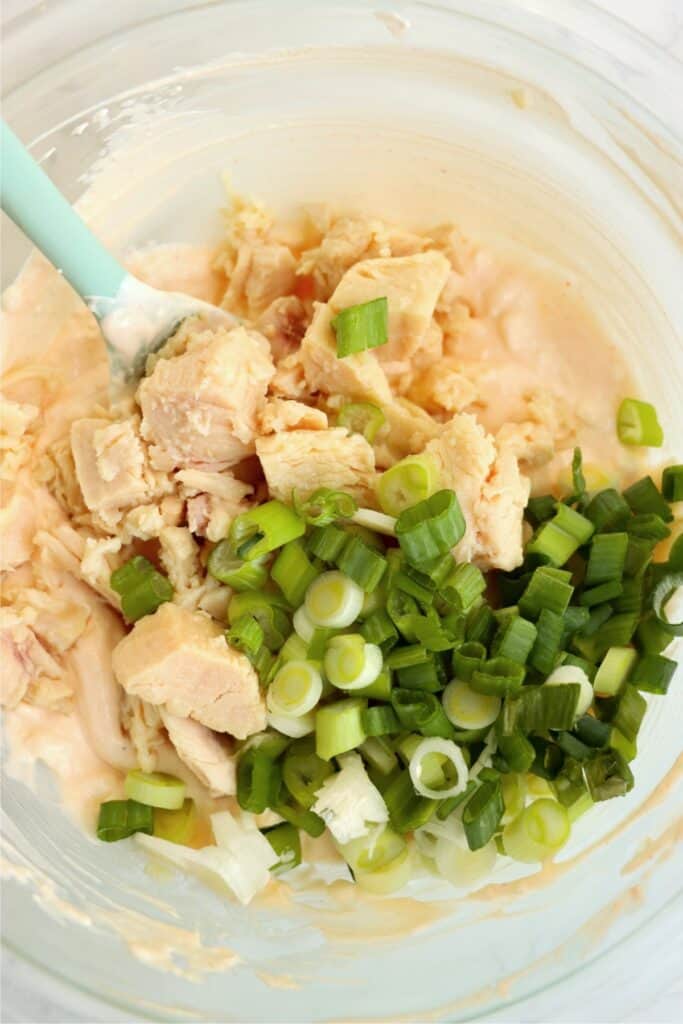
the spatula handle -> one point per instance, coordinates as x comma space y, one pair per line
41, 211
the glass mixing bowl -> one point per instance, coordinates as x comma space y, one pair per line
559, 136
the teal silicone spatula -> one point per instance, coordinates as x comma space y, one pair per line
135, 318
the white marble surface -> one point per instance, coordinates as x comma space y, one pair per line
24, 995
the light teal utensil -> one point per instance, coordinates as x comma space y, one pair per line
135, 318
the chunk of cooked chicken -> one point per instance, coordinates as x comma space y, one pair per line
491, 491
179, 658
17, 526
411, 284
442, 387
407, 430
259, 272
142, 722
284, 325
179, 555
200, 406
205, 753
304, 460
530, 442
23, 658
285, 414
358, 376
110, 463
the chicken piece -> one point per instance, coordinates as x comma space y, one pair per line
179, 658
15, 445
531, 443
443, 388
346, 241
289, 380
110, 463
56, 620
100, 559
200, 406
358, 376
259, 272
282, 414
284, 325
24, 660
179, 268
490, 489
17, 526
411, 284
147, 521
205, 753
407, 430
304, 460
142, 722
179, 555
213, 501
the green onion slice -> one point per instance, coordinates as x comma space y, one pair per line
379, 522
362, 418
119, 819
333, 600
668, 591
141, 587
294, 726
325, 506
156, 789
226, 567
406, 483
295, 690
362, 327
430, 528
637, 424
176, 826
538, 832
447, 752
467, 709
350, 663
263, 529
284, 838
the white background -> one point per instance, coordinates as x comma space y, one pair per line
23, 996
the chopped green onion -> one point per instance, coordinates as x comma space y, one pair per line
597, 617
293, 572
119, 819
468, 659
549, 759
538, 832
379, 522
246, 635
263, 607
586, 666
421, 712
262, 529
573, 747
548, 641
463, 586
541, 508
361, 563
284, 839
350, 663
258, 780
295, 690
638, 555
435, 633
607, 775
268, 742
578, 480
592, 731
156, 789
407, 657
303, 625
481, 624
608, 511
548, 588
630, 711
361, 327
675, 563
377, 751
226, 567
616, 632
515, 639
428, 674
672, 483
294, 649
614, 671
379, 629
326, 542
362, 418
482, 814
653, 673
637, 424
176, 826
517, 751
568, 673
554, 543
602, 593
631, 597
324, 506
627, 748
407, 810
415, 583
452, 764
380, 689
548, 707
669, 587
652, 637
440, 568
295, 727
406, 483
403, 611
303, 772
643, 496
607, 558
339, 727
498, 677
467, 709
299, 817
430, 528
648, 526
141, 587
333, 600
380, 721
575, 619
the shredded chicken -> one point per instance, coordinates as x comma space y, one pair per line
303, 460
